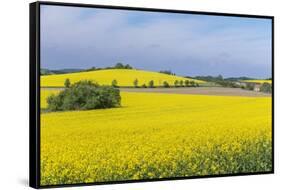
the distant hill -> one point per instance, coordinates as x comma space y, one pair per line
46, 72
124, 77
219, 78
59, 71
238, 78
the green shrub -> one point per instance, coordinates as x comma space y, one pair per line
136, 82
266, 87
181, 83
114, 83
85, 95
186, 83
144, 86
166, 84
192, 83
67, 83
151, 84
176, 83
55, 102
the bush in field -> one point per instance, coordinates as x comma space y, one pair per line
67, 83
144, 86
192, 83
226, 83
186, 83
114, 83
181, 83
176, 83
136, 82
151, 84
166, 84
85, 95
266, 87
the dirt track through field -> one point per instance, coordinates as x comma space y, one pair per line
219, 91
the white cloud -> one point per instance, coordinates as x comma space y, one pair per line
104, 37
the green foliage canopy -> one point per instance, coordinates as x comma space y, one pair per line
85, 95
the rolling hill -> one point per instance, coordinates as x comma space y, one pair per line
124, 77
258, 81
59, 71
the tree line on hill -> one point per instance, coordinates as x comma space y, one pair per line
234, 82
220, 78
64, 71
165, 84
116, 66
168, 72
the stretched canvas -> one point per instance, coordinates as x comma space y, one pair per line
122, 94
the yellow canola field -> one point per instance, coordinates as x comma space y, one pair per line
124, 77
258, 81
157, 136
44, 94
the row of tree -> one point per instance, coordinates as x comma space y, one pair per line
233, 82
168, 72
116, 66
151, 84
227, 82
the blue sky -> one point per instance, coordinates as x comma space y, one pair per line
187, 44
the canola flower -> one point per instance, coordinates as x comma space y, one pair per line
157, 135
258, 81
124, 77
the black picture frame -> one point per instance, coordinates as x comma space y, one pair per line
34, 90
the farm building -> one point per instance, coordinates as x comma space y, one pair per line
257, 87
241, 84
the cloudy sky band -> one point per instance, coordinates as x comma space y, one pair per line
73, 37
